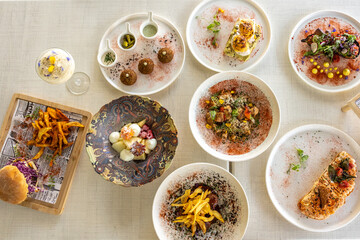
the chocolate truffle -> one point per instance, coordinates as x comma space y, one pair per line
128, 77
146, 66
165, 55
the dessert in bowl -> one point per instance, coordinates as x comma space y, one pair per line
131, 158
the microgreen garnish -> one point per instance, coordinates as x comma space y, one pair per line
35, 113
109, 58
302, 160
331, 44
215, 27
16, 150
52, 182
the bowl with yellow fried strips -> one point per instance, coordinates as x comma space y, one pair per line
200, 201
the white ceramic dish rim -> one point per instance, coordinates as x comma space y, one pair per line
270, 160
311, 83
193, 166
193, 51
123, 20
234, 158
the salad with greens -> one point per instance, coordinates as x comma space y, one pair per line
332, 45
231, 115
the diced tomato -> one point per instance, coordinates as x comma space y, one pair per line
221, 109
339, 172
344, 184
247, 113
355, 50
336, 58
351, 165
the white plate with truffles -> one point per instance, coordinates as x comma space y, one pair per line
145, 54
228, 35
311, 178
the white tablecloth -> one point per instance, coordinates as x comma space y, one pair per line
97, 209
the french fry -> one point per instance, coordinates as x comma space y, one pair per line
196, 209
34, 126
41, 114
50, 131
68, 145
46, 119
73, 124
59, 124
41, 123
40, 152
42, 131
60, 143
61, 115
31, 142
52, 113
55, 140
37, 125
42, 145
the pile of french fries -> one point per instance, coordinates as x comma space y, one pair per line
50, 131
196, 208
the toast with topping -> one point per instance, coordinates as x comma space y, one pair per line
329, 192
243, 39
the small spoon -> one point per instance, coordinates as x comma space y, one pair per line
126, 38
149, 28
103, 55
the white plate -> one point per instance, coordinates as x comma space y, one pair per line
180, 178
199, 38
163, 74
324, 20
204, 136
321, 143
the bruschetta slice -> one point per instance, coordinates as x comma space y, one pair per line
329, 192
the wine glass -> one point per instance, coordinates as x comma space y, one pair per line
57, 66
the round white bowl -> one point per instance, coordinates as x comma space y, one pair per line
239, 76
176, 179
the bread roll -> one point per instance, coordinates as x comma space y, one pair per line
13, 186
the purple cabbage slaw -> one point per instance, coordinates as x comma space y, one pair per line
31, 174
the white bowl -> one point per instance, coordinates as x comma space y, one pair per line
185, 175
202, 134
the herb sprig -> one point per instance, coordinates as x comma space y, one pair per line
52, 182
35, 113
109, 58
214, 26
302, 159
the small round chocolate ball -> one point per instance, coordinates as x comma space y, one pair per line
128, 77
165, 55
146, 66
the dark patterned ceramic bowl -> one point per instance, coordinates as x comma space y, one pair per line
112, 117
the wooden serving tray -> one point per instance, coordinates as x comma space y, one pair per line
58, 207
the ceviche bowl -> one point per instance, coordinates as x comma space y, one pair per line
230, 202
112, 117
234, 116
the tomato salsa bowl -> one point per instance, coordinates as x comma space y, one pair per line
234, 116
